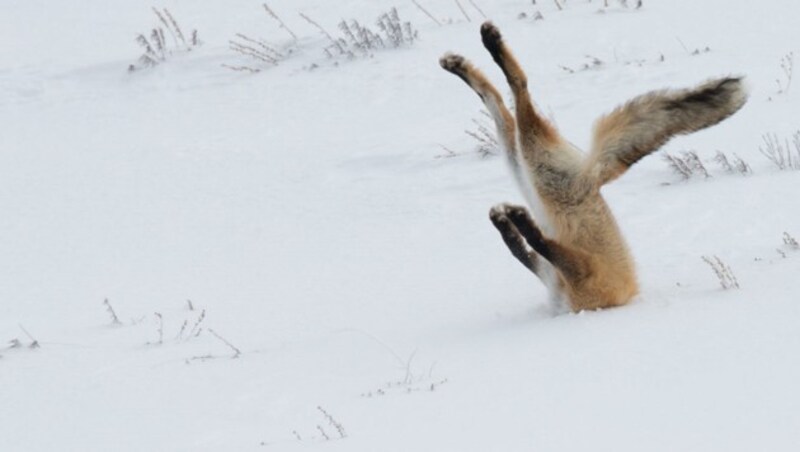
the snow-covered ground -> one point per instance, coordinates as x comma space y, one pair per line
304, 212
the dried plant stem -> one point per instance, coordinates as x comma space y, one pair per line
280, 22
241, 68
252, 52
466, 16
448, 152
110, 309
689, 164
265, 47
742, 166
678, 166
156, 48
160, 328
781, 154
724, 273
787, 66
426, 12
790, 241
164, 22
177, 28
722, 159
34, 343
335, 42
693, 161
336, 424
196, 328
183, 328
236, 351
471, 2
682, 44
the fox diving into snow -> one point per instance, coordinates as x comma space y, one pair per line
576, 248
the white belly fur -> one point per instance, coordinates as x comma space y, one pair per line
542, 219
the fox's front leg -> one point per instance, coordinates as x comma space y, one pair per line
535, 132
573, 264
514, 240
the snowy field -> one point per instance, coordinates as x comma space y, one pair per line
299, 257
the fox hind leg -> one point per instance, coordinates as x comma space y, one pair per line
533, 128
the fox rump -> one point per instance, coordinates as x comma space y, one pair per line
577, 249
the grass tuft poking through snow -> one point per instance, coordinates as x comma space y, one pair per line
111, 312
156, 47
784, 155
723, 272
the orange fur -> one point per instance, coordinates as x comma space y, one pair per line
584, 250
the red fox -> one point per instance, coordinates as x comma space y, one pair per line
577, 249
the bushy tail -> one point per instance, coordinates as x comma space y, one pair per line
647, 122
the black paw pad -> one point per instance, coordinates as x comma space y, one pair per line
517, 213
492, 39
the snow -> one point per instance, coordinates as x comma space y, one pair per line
304, 213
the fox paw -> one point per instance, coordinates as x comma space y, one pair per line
492, 39
453, 63
497, 214
523, 222
518, 214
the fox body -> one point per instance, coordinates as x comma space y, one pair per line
577, 248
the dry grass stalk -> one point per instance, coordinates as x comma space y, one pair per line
472, 2
790, 241
110, 310
724, 273
436, 21
280, 22
466, 16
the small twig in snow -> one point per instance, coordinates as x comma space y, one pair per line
236, 351
724, 273
466, 16
196, 328
335, 42
471, 2
183, 328
426, 12
114, 318
787, 67
678, 166
790, 241
160, 328
336, 424
280, 22
34, 343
